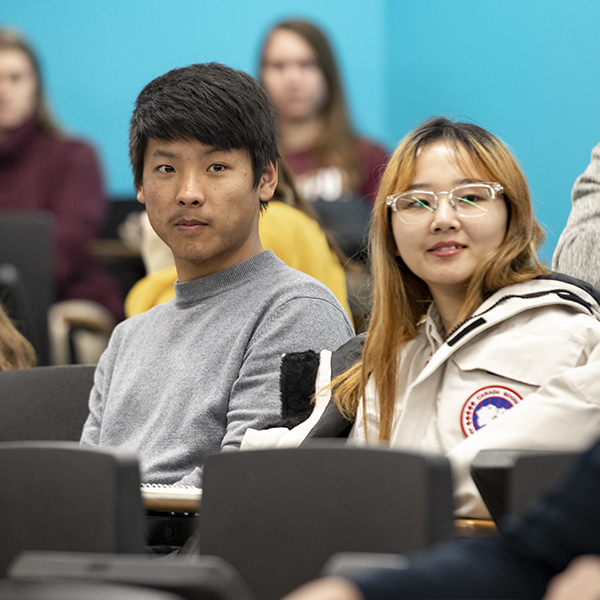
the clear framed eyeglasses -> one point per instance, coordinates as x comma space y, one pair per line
469, 200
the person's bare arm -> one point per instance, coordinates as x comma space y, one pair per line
328, 588
580, 580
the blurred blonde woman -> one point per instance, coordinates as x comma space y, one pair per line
15, 351
333, 166
328, 159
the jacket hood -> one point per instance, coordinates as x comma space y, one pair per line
545, 290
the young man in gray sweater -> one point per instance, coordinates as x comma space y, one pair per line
187, 378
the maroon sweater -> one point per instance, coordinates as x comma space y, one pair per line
61, 175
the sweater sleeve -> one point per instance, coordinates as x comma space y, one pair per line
93, 424
516, 564
576, 253
300, 324
91, 427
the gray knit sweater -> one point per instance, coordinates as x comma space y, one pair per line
187, 378
578, 250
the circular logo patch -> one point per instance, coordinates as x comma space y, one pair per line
485, 406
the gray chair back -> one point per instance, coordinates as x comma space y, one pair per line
26, 242
44, 403
77, 590
278, 515
191, 577
513, 481
64, 496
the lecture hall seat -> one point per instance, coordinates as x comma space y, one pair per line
64, 496
45, 403
278, 515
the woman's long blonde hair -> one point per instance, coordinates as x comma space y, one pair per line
401, 299
15, 351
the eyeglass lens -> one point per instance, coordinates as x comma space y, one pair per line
467, 200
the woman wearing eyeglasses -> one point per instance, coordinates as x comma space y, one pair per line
472, 342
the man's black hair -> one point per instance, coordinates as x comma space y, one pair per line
215, 104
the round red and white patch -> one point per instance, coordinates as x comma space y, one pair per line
485, 406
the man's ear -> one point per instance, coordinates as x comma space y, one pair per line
140, 195
267, 184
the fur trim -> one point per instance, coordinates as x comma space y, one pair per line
297, 386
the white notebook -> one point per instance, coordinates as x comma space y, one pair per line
171, 498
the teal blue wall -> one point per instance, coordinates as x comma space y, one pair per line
525, 69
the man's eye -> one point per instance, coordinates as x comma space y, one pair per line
166, 169
216, 168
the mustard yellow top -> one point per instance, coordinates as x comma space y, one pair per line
294, 237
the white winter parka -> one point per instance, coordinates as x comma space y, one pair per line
522, 373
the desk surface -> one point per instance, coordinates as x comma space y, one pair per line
475, 527
170, 498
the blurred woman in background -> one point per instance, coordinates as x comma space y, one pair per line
43, 169
329, 161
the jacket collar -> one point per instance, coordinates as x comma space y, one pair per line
555, 289
545, 290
